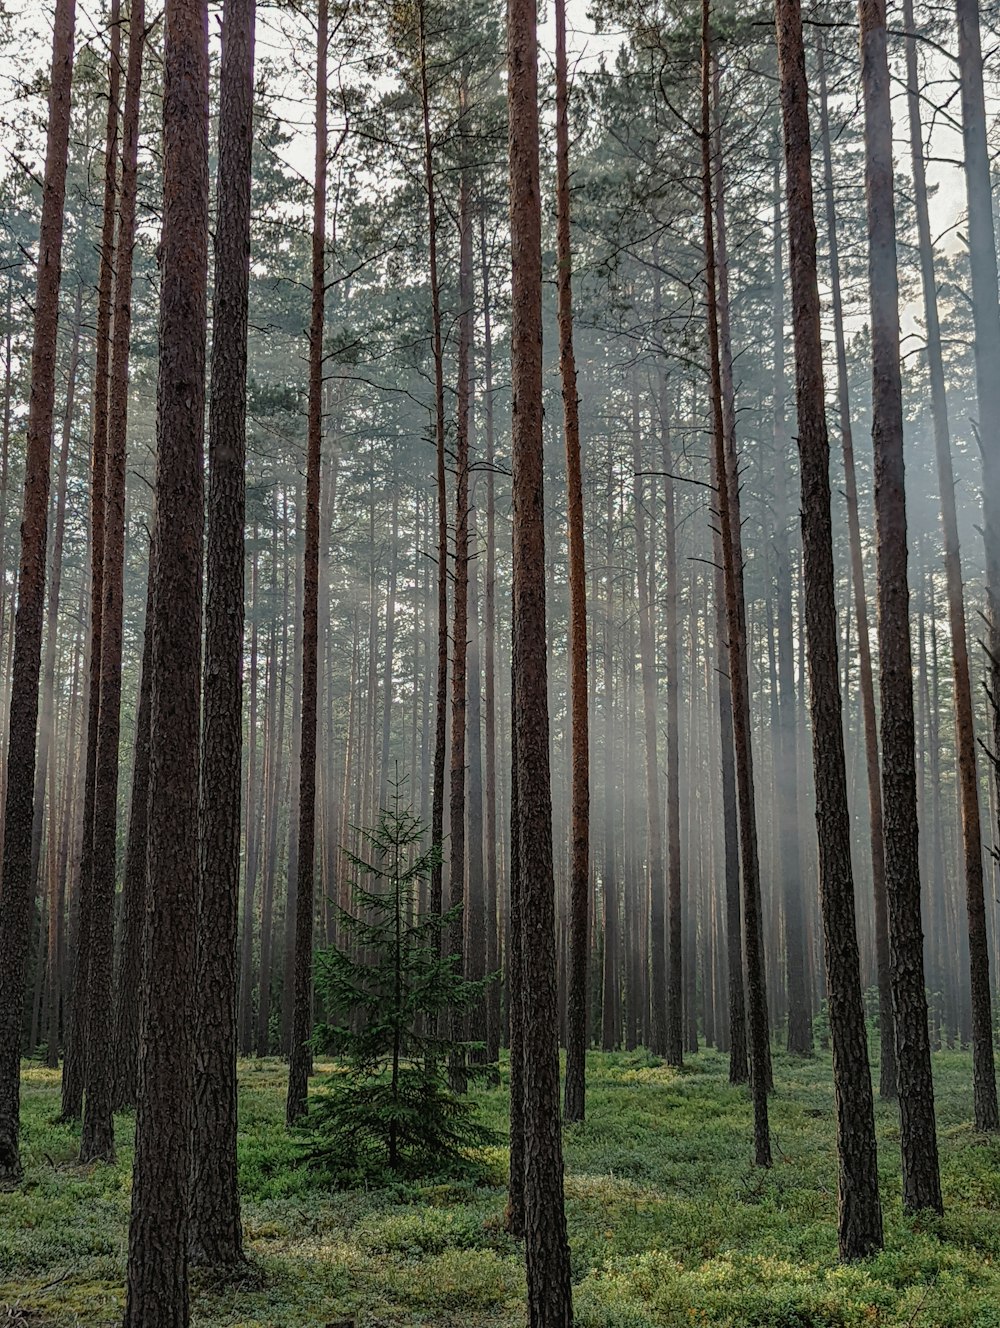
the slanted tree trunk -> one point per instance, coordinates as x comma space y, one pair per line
860, 1211
887, 1039
15, 897
546, 1247
157, 1294
579, 879
758, 1025
921, 1177
986, 347
215, 1236
300, 1058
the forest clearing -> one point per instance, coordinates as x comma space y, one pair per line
669, 1222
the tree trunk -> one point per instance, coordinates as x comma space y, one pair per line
300, 1058
215, 1235
984, 1074
75, 1070
739, 681
887, 1039
800, 1041
675, 965
441, 701
860, 1211
654, 811
546, 1247
493, 1019
460, 620
15, 897
132, 940
157, 1295
98, 1120
986, 345
579, 882
921, 1178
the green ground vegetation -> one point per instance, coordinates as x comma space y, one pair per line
669, 1222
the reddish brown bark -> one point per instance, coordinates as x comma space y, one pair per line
216, 1236
546, 1247
736, 632
860, 1211
157, 1293
300, 1058
579, 872
887, 1041
921, 1177
15, 897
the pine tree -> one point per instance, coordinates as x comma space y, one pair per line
390, 994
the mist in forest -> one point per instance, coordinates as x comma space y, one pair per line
499, 631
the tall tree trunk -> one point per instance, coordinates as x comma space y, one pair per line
460, 620
493, 1019
157, 1295
215, 1236
675, 965
98, 1121
546, 1247
800, 1041
48, 683
986, 346
736, 632
984, 1074
132, 940
860, 1211
921, 1178
300, 1058
611, 990
579, 882
244, 1015
654, 811
441, 698
15, 897
75, 1069
887, 1038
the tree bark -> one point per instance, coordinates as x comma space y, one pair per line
15, 897
800, 1041
98, 1120
739, 682
441, 696
921, 1178
986, 347
983, 1070
215, 1236
546, 1247
859, 1207
887, 1039
579, 882
300, 1058
75, 1068
157, 1295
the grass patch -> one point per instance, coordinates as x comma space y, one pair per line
669, 1222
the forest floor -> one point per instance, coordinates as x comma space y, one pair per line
669, 1222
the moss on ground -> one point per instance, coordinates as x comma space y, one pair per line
669, 1222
